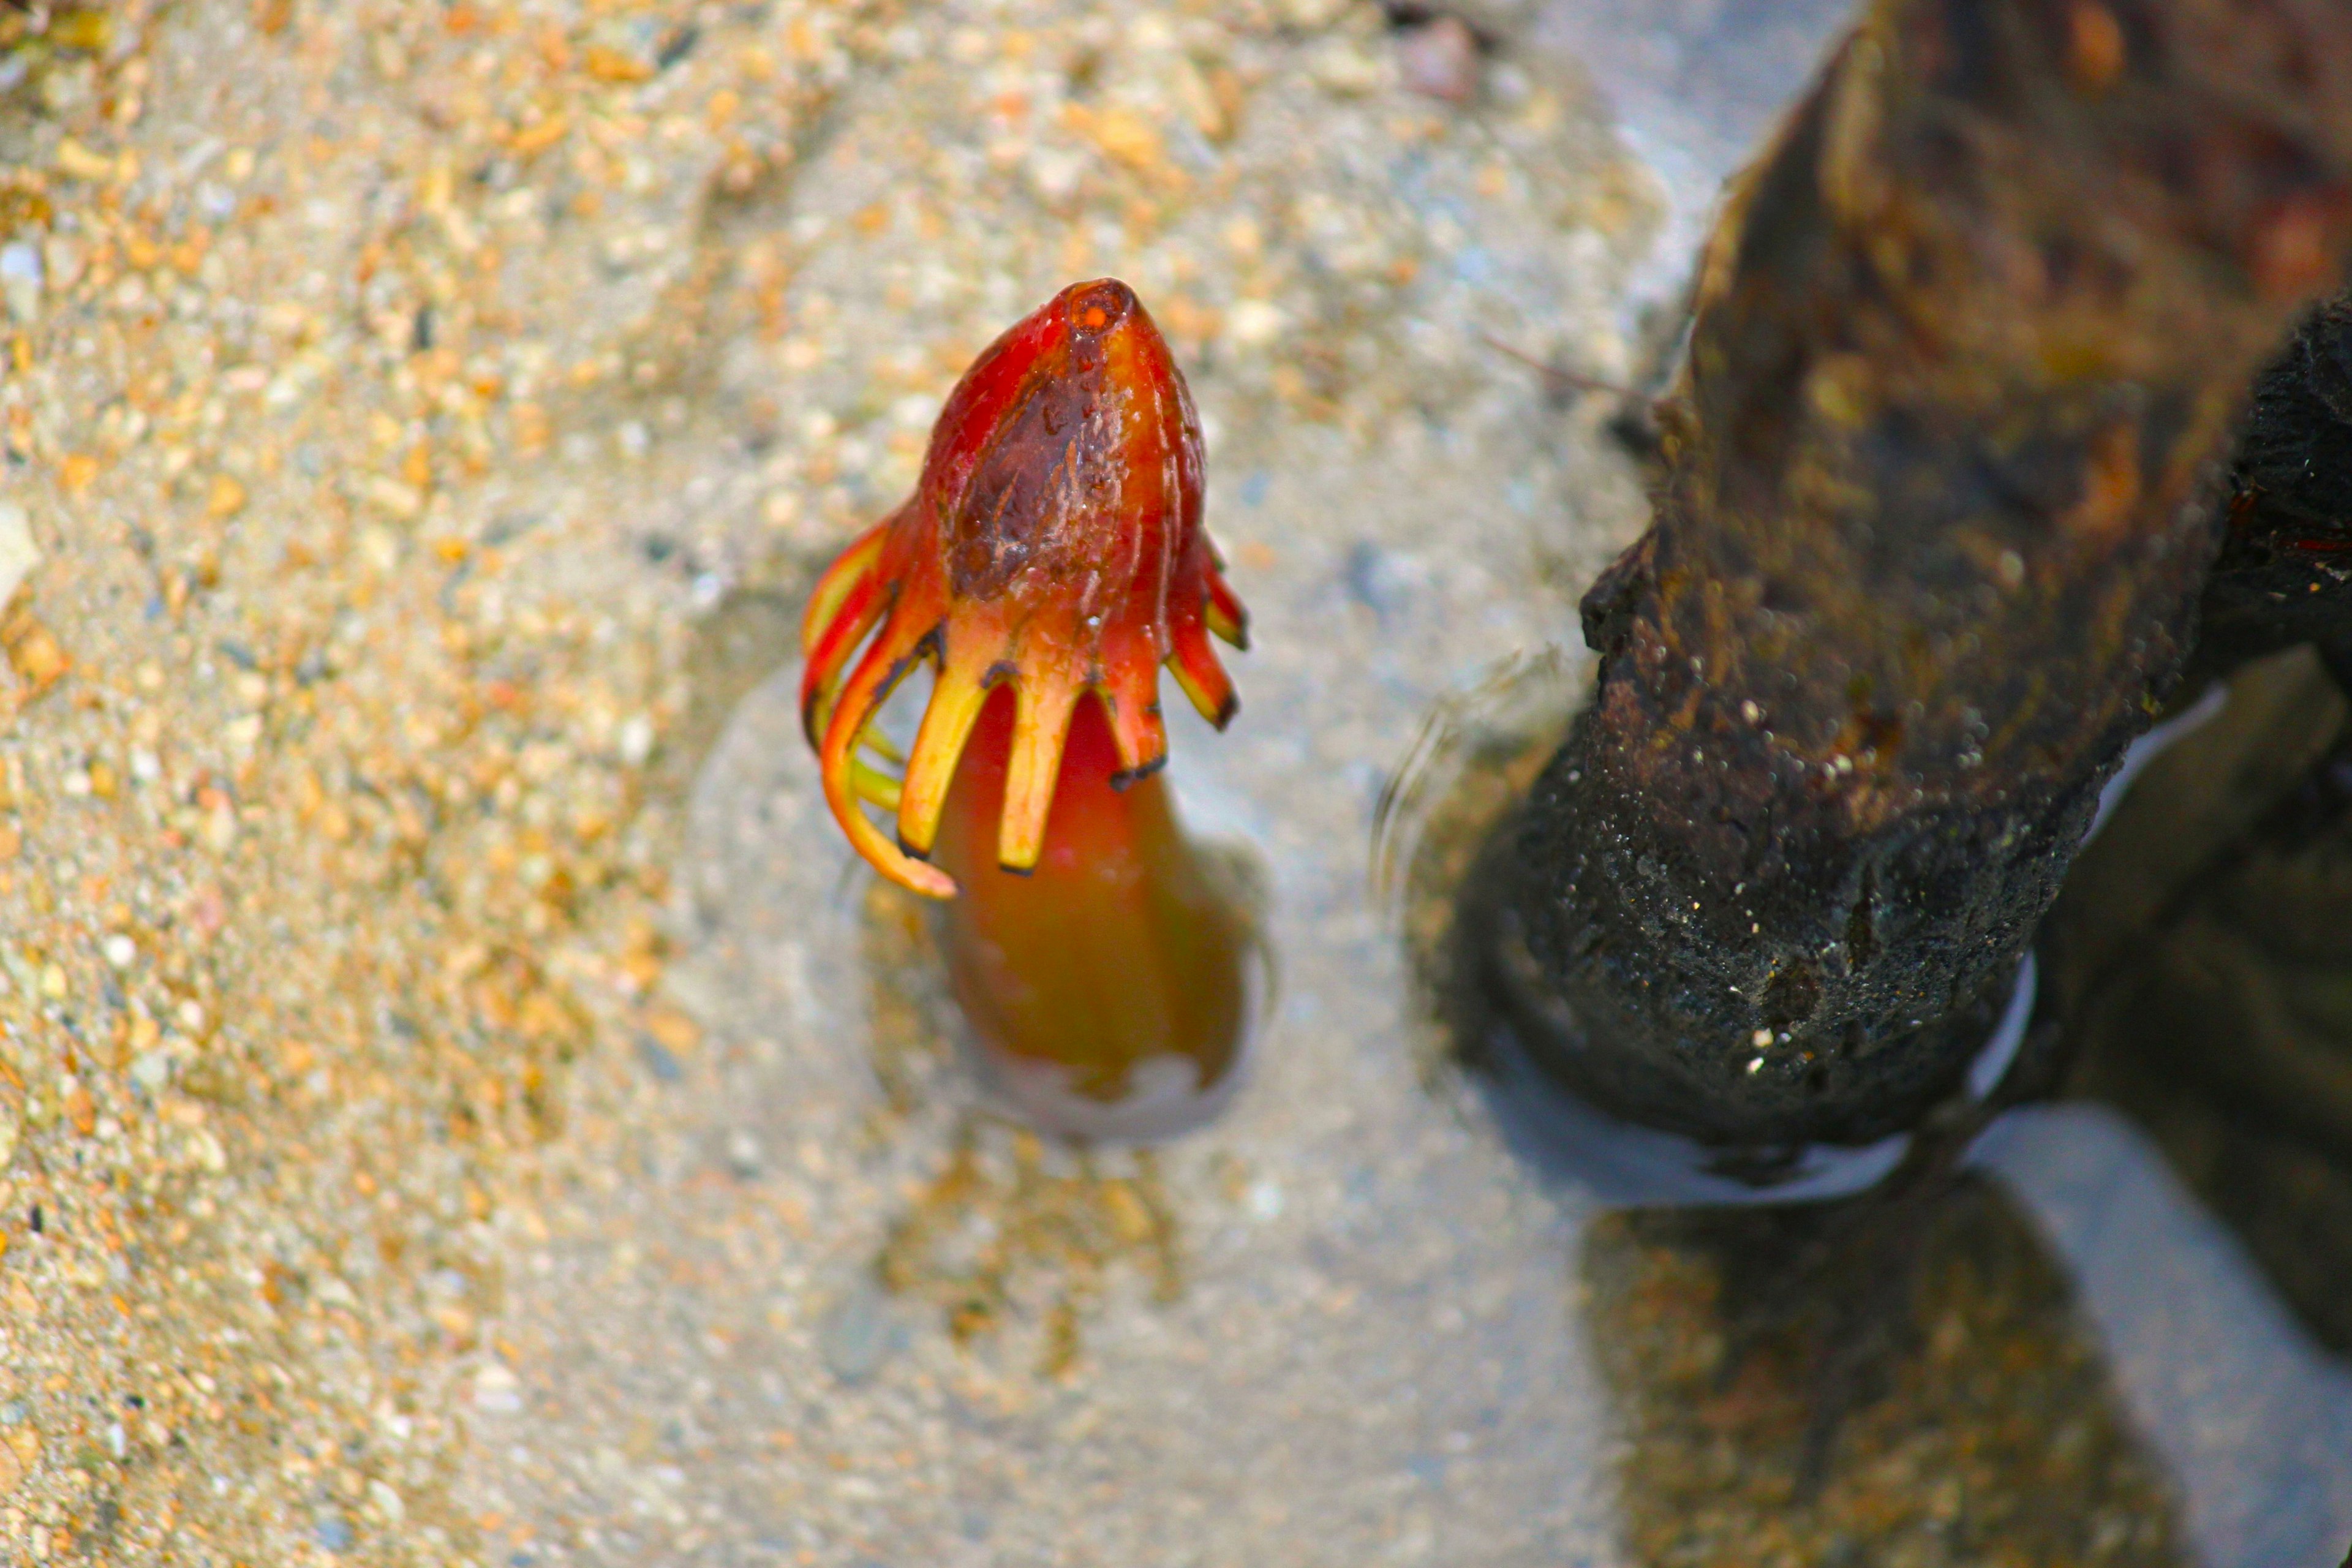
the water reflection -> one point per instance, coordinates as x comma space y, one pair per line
1783, 1387
2021, 1344
1109, 991
2199, 970
2203, 957
1009, 1230
1015, 1228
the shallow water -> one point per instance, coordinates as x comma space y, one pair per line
1695, 88
809, 1298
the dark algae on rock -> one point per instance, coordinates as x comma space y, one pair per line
1935, 507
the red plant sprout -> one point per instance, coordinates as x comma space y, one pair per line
1052, 544
1051, 559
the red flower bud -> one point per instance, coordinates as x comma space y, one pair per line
1054, 545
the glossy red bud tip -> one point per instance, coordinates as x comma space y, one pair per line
1053, 545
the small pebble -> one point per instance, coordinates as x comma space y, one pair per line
18, 554
497, 1389
334, 1533
20, 281
861, 1335
659, 1059
1439, 59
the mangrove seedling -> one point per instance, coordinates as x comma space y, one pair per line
1049, 561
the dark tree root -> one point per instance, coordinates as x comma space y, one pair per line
1855, 1003
1938, 503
